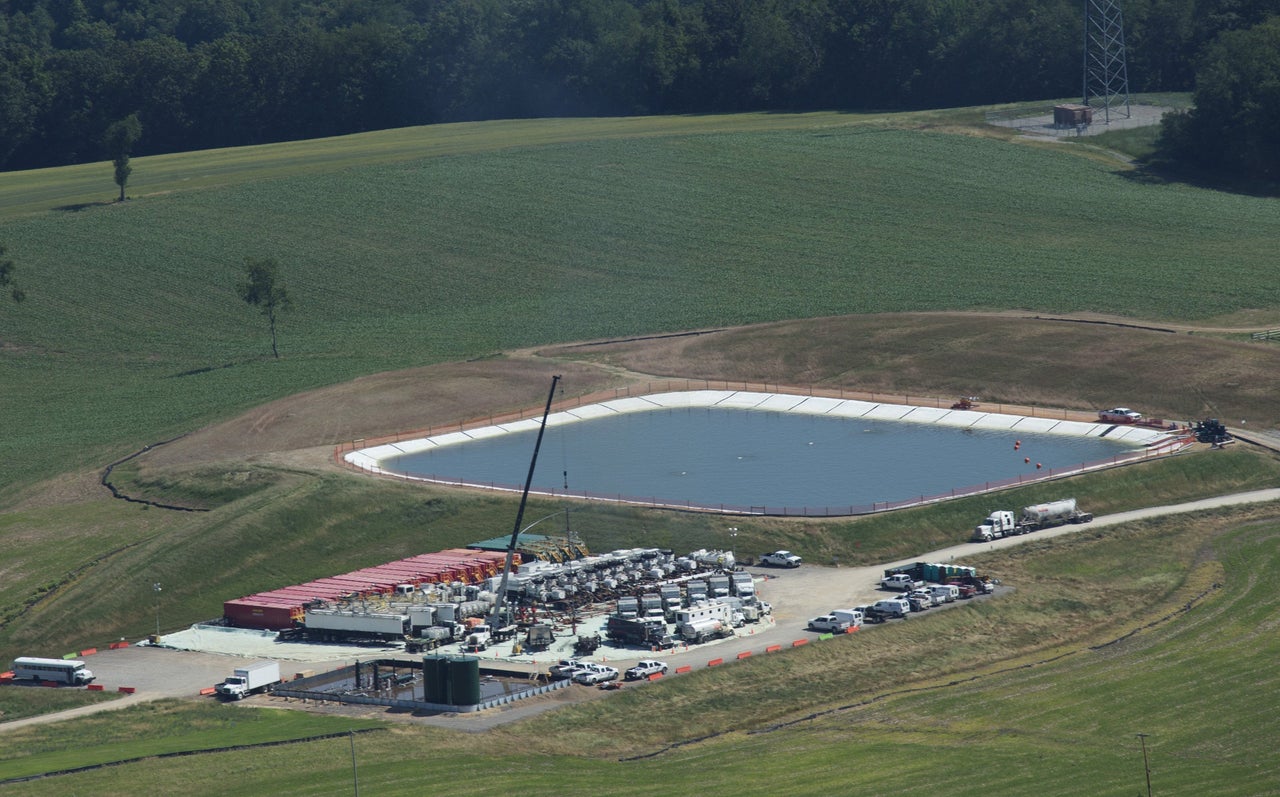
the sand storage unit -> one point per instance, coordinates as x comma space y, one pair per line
286, 607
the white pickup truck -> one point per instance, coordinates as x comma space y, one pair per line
828, 623
780, 559
645, 668
595, 674
900, 582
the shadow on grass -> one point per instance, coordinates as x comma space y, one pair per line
79, 206
1163, 173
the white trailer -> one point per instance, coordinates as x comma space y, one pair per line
339, 625
704, 621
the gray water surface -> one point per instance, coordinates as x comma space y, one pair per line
718, 457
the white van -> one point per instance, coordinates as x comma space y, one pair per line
948, 592
852, 618
894, 607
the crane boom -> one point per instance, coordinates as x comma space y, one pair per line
524, 499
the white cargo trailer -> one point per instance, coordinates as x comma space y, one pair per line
338, 625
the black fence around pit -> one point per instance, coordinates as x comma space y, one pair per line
396, 683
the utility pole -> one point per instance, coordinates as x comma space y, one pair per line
355, 775
1142, 737
156, 588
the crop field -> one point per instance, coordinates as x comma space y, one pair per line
132, 331
457, 251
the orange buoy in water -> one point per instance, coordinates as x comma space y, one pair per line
1037, 466
1027, 460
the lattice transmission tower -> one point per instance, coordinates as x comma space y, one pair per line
1106, 77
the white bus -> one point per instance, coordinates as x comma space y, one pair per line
67, 671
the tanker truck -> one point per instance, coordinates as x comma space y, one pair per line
703, 622
1004, 523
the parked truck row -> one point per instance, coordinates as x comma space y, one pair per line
686, 610
1004, 523
920, 586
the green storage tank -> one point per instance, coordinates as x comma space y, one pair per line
435, 679
464, 681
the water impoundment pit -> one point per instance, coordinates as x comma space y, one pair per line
746, 452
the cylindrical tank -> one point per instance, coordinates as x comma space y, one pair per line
1055, 510
464, 681
435, 679
472, 608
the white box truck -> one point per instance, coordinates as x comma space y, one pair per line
250, 679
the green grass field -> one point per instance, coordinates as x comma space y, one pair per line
132, 332
157, 729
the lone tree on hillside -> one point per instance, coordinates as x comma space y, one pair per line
6, 277
262, 287
119, 140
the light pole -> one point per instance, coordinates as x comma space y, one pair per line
1142, 737
156, 588
355, 774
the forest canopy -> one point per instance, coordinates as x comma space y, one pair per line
216, 73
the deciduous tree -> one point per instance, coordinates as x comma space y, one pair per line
263, 288
1235, 124
6, 277
119, 141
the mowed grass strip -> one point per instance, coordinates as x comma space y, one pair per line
77, 187
18, 702
157, 728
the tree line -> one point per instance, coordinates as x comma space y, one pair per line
217, 73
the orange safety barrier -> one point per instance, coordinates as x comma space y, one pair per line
655, 676
95, 687
746, 654
54, 684
128, 690
685, 668
88, 651
208, 690
851, 629
799, 642
773, 649
118, 645
715, 662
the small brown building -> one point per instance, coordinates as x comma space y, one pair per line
1072, 115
